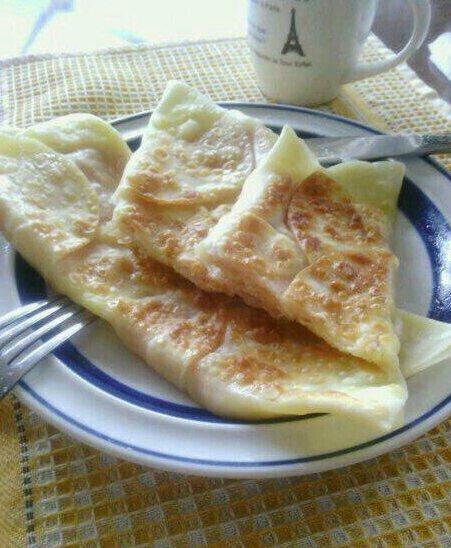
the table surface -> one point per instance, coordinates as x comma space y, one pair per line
51, 26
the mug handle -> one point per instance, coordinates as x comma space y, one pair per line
421, 18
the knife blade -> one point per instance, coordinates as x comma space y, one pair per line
331, 150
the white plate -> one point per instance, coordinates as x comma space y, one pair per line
98, 392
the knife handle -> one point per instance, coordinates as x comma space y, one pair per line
433, 144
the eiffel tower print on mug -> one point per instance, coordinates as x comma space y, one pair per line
304, 50
292, 43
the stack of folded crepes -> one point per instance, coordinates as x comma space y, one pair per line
214, 211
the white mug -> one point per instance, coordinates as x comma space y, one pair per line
304, 50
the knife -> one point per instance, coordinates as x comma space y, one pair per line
332, 150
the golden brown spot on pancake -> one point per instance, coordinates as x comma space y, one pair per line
281, 254
152, 273
276, 193
164, 233
354, 288
150, 182
172, 237
277, 190
266, 335
57, 238
251, 371
179, 322
320, 216
244, 245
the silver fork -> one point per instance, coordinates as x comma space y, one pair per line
22, 329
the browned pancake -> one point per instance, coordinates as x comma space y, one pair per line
303, 249
324, 220
235, 360
188, 171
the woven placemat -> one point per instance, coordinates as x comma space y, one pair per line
55, 491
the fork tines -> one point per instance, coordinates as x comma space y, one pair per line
29, 333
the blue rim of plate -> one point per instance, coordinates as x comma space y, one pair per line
412, 202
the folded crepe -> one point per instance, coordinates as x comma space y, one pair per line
312, 245
235, 360
189, 170
290, 237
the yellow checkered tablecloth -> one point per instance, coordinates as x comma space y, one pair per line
55, 491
